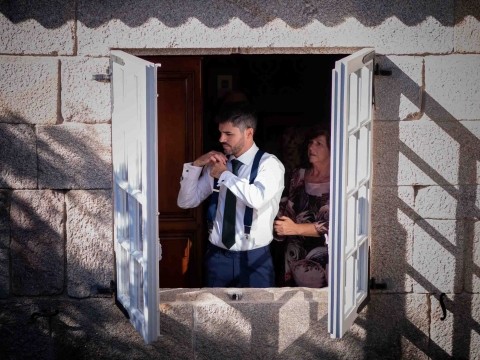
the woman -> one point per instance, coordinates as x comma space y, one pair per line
302, 222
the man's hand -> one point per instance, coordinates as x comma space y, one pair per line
217, 169
212, 157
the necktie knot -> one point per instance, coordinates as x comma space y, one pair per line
236, 166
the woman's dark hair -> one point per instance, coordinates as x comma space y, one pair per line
317, 131
240, 114
310, 134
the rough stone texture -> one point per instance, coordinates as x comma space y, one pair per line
4, 243
393, 326
38, 245
188, 318
87, 329
18, 156
90, 259
438, 254
456, 337
399, 96
469, 145
74, 156
4, 273
467, 26
397, 29
292, 323
259, 328
471, 202
472, 256
425, 153
452, 87
448, 202
223, 328
83, 99
438, 202
37, 27
391, 244
29, 90
5, 219
177, 323
441, 153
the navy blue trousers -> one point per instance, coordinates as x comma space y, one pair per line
252, 268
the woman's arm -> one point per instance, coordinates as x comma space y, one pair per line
286, 226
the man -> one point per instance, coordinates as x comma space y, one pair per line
238, 254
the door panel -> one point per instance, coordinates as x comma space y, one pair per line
179, 141
175, 119
135, 190
350, 189
175, 266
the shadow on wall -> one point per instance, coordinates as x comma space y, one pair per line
438, 256
58, 182
215, 14
55, 231
291, 325
396, 324
89, 329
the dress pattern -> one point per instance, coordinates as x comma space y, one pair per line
306, 258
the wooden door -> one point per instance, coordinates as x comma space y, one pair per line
179, 140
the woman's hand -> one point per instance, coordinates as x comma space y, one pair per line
285, 226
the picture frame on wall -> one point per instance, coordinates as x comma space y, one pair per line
224, 84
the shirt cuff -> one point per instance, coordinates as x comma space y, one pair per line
191, 171
225, 177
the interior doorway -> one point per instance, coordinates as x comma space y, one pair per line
290, 93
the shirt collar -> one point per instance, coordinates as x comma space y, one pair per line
247, 157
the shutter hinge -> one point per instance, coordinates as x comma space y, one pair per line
377, 286
110, 290
103, 77
380, 72
47, 314
113, 286
442, 304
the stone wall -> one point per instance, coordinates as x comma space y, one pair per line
55, 157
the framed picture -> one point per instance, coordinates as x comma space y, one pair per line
224, 84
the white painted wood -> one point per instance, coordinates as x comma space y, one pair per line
350, 189
135, 179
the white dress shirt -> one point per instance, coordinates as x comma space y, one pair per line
263, 196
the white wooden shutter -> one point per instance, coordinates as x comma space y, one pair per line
135, 181
350, 189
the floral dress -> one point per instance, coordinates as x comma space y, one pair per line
306, 258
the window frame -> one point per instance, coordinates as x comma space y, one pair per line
150, 328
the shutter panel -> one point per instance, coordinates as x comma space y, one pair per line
350, 189
135, 181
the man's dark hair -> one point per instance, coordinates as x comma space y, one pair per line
240, 114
